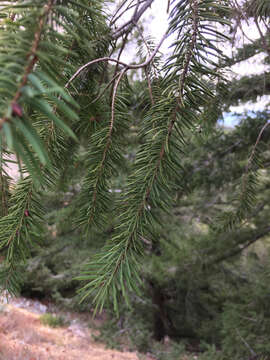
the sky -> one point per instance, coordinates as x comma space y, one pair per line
156, 19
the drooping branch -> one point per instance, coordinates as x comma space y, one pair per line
127, 66
106, 149
251, 157
239, 249
32, 59
151, 180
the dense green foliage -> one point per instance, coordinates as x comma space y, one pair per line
132, 195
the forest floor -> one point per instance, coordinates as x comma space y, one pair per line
24, 337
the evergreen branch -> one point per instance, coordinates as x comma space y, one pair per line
4, 192
149, 86
10, 278
171, 123
32, 58
190, 49
106, 88
41, 91
23, 218
99, 176
234, 252
247, 197
147, 47
122, 73
251, 157
147, 188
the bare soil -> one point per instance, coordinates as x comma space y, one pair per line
23, 337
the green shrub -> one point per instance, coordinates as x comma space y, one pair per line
53, 320
172, 351
246, 320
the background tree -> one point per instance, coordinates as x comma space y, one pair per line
36, 106
138, 166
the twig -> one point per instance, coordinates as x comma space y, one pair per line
252, 155
119, 8
266, 25
168, 6
119, 56
127, 66
127, 27
237, 251
245, 343
149, 86
122, 73
94, 197
264, 43
147, 47
103, 91
130, 6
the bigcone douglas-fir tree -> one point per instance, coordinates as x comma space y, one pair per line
65, 92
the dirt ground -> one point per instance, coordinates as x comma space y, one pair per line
23, 337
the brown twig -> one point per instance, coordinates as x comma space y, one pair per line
168, 6
130, 6
118, 58
122, 73
127, 27
113, 20
106, 88
264, 43
127, 66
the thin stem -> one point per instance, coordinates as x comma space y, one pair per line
127, 27
252, 156
127, 66
114, 97
130, 6
3, 185
117, 11
109, 136
149, 86
264, 43
119, 55
106, 88
168, 6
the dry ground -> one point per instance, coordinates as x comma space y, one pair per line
23, 337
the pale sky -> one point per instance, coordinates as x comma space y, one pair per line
156, 19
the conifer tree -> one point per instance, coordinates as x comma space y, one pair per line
65, 93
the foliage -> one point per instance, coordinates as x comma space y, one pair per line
52, 320
47, 118
130, 188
